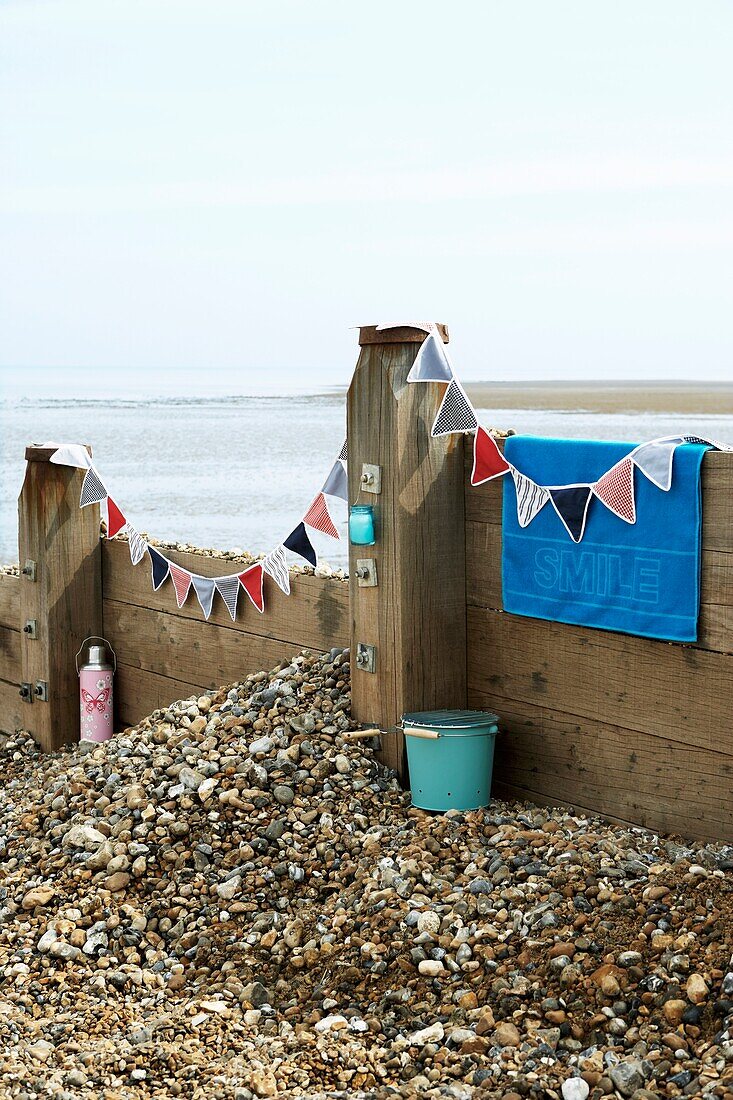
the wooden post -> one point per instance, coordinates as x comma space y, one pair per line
64, 599
415, 617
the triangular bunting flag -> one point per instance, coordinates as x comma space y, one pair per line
488, 461
317, 516
276, 566
92, 489
616, 490
336, 484
252, 581
431, 362
344, 452
531, 498
115, 520
228, 589
571, 504
138, 545
455, 413
181, 582
71, 454
204, 588
300, 544
655, 461
715, 443
160, 566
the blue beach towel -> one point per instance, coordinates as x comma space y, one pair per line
638, 579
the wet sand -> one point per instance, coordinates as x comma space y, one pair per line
622, 397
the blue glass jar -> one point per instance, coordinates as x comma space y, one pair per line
361, 525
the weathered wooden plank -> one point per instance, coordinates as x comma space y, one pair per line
483, 502
670, 690
186, 650
483, 585
65, 598
415, 617
12, 711
10, 601
139, 692
653, 781
10, 655
316, 612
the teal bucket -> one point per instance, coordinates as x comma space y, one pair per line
451, 757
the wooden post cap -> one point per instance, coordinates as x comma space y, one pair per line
401, 334
39, 452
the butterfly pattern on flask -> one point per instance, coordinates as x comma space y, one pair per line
95, 701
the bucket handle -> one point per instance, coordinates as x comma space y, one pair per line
95, 638
416, 731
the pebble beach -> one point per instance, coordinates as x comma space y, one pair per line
232, 900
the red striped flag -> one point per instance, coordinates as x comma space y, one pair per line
181, 582
318, 517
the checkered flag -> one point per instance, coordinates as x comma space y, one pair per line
92, 489
456, 413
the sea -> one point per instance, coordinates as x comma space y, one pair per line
212, 461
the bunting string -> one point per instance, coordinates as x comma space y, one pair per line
614, 490
572, 502
251, 580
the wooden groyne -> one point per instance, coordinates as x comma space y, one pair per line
635, 729
638, 730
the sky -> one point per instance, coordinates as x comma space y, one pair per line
227, 186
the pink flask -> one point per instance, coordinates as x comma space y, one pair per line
95, 690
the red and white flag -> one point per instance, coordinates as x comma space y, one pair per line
318, 517
181, 582
616, 490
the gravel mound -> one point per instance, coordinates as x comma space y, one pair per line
232, 900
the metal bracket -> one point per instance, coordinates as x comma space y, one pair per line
31, 628
26, 693
366, 573
371, 478
29, 569
366, 657
42, 691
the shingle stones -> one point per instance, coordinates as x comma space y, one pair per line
233, 900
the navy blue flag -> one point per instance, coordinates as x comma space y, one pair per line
300, 544
571, 505
160, 567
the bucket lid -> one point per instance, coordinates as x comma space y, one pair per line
450, 719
